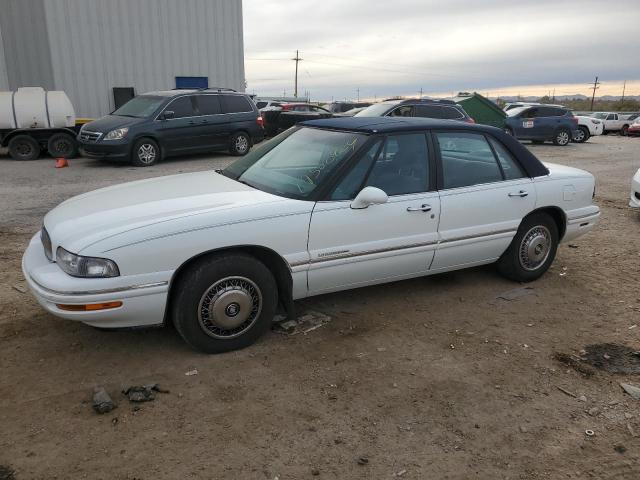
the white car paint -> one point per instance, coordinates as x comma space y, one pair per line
151, 227
634, 200
594, 125
614, 122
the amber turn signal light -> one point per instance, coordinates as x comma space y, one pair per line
91, 307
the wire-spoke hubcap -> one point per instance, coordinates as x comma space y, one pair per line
147, 153
229, 307
242, 144
535, 248
563, 138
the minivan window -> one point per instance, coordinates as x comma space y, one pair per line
208, 104
235, 104
140, 107
181, 107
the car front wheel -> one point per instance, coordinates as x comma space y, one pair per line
532, 250
562, 137
224, 302
145, 153
582, 135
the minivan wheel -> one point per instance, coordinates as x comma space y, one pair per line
532, 249
145, 153
562, 137
240, 144
24, 147
224, 302
582, 135
62, 145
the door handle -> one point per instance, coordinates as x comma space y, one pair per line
521, 193
422, 208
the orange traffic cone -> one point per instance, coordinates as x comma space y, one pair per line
61, 162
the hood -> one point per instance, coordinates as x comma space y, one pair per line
89, 218
111, 122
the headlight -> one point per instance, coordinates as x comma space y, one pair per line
597, 122
90, 267
117, 134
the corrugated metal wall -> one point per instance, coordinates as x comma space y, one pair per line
100, 44
4, 80
26, 44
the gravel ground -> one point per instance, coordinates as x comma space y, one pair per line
427, 378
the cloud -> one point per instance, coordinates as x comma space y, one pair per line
393, 47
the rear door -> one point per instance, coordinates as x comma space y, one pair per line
179, 133
238, 115
211, 121
484, 194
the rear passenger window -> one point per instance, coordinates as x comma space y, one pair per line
404, 111
235, 104
467, 160
181, 107
429, 111
510, 167
209, 104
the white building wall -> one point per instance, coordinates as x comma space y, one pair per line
4, 80
100, 44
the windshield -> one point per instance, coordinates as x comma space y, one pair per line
516, 111
140, 107
295, 163
377, 110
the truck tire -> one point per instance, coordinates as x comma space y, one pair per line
624, 131
24, 147
582, 135
62, 145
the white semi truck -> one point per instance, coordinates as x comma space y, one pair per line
33, 120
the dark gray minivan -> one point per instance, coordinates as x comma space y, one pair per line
156, 125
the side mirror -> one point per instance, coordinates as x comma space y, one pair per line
369, 196
168, 114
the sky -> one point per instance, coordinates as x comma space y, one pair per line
375, 49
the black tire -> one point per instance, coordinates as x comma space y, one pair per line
583, 134
236, 285
24, 147
624, 131
239, 144
62, 145
145, 153
523, 264
562, 137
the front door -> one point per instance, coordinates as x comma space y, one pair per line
179, 133
484, 195
354, 247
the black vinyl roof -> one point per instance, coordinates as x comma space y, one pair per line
371, 125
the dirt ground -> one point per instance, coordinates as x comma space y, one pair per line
433, 378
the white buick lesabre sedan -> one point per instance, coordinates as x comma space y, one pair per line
634, 201
328, 205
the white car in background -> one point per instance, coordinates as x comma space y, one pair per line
588, 127
614, 122
635, 191
328, 205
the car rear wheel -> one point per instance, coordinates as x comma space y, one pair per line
624, 131
62, 145
240, 143
582, 135
224, 302
24, 147
532, 250
562, 137
145, 153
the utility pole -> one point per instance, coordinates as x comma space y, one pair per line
594, 88
624, 87
358, 92
420, 93
297, 60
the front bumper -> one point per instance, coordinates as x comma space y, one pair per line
143, 297
111, 150
596, 129
634, 201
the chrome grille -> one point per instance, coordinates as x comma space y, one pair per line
89, 136
46, 243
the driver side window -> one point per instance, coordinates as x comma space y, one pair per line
401, 167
